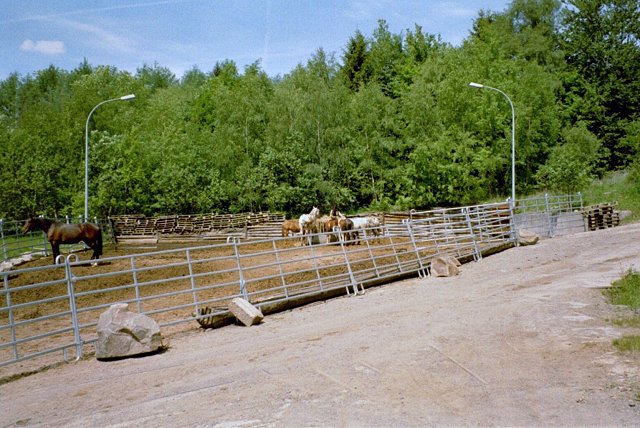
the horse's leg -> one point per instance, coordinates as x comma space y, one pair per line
55, 249
93, 245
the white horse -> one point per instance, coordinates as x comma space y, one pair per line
306, 221
368, 224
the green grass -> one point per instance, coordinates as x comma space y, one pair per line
626, 291
615, 187
627, 343
633, 322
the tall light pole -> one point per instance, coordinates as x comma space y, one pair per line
513, 139
86, 152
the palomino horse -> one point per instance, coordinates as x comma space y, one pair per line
307, 221
62, 233
290, 226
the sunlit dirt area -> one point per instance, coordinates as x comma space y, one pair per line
522, 337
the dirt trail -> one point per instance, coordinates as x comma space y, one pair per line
519, 338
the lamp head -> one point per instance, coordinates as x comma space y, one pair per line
476, 85
128, 97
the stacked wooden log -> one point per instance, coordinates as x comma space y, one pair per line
190, 225
601, 216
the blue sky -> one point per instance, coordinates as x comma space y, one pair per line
180, 34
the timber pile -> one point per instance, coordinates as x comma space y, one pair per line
190, 225
601, 216
133, 225
267, 230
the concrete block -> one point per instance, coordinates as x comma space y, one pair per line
245, 312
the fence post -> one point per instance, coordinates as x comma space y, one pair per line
547, 210
580, 199
7, 292
373, 258
192, 281
5, 254
134, 273
315, 260
512, 225
422, 272
243, 283
284, 283
477, 253
44, 244
352, 278
72, 305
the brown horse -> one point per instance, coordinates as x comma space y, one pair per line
349, 235
290, 226
62, 233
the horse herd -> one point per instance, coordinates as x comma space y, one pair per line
336, 225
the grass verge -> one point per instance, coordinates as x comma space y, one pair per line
626, 291
620, 187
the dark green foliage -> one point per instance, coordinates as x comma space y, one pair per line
601, 42
394, 126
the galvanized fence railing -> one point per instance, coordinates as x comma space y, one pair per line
53, 308
50, 309
550, 215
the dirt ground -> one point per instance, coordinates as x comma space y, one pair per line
522, 337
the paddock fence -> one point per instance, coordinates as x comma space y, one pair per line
49, 313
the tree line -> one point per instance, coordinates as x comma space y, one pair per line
388, 123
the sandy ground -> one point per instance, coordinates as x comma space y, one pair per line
519, 338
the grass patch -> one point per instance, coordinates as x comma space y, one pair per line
618, 186
633, 322
626, 291
627, 343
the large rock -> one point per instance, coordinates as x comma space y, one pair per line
445, 266
526, 237
245, 312
122, 333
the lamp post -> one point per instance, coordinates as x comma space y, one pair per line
513, 139
86, 152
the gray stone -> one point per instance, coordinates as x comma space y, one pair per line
122, 333
445, 266
526, 237
245, 312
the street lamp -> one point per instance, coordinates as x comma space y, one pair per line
86, 152
513, 140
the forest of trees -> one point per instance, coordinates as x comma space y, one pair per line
388, 123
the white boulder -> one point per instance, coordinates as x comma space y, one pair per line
122, 333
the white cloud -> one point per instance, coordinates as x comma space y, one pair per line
47, 47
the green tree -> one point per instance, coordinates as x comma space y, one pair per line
570, 166
601, 41
353, 70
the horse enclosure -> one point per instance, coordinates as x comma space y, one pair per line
49, 312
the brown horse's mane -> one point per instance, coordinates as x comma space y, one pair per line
44, 223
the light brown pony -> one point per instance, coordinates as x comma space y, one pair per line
63, 233
349, 235
290, 227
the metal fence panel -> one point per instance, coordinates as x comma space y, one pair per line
174, 286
